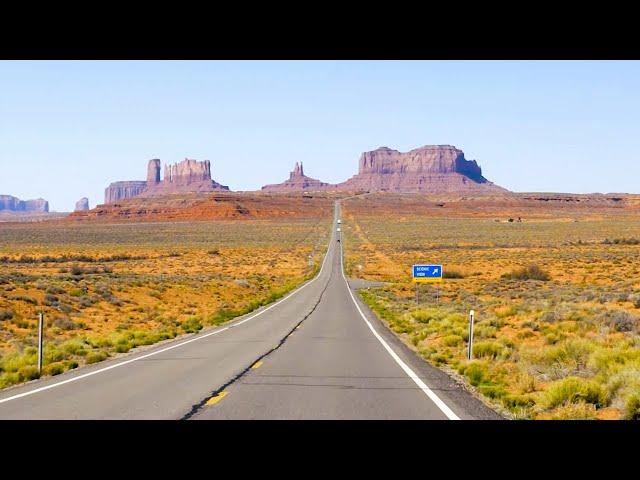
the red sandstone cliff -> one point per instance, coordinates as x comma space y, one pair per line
429, 169
188, 176
13, 204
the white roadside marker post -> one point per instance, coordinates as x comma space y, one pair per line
470, 348
40, 339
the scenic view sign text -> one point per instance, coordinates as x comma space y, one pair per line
427, 273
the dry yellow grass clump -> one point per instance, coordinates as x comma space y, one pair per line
556, 295
105, 289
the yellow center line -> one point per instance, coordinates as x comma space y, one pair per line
257, 364
216, 399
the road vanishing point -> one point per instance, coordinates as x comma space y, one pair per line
318, 353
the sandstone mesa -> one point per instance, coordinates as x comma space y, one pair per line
297, 181
82, 205
428, 169
187, 176
13, 204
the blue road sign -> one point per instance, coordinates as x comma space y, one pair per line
427, 273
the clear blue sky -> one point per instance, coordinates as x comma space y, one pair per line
68, 129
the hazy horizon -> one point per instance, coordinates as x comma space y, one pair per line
70, 128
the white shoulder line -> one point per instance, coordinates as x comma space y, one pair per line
427, 391
195, 339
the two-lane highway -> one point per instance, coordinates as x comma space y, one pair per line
318, 353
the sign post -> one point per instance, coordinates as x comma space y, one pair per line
40, 338
470, 348
427, 274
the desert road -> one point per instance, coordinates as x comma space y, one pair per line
318, 353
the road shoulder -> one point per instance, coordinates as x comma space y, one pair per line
451, 390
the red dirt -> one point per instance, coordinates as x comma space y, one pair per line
216, 206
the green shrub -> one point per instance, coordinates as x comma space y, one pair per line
492, 391
86, 302
452, 274
50, 299
574, 390
452, 340
439, 358
123, 347
71, 364
77, 270
632, 407
513, 402
53, 368
622, 241
488, 350
221, 316
94, 357
531, 272
484, 331
191, 325
28, 372
73, 347
574, 411
507, 312
64, 323
55, 290
426, 316
24, 298
6, 314
476, 373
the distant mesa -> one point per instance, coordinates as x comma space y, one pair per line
82, 205
13, 204
297, 181
187, 176
429, 169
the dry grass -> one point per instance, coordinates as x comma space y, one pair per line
557, 306
108, 288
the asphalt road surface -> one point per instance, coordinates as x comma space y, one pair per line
318, 353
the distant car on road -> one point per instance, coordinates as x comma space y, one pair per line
338, 232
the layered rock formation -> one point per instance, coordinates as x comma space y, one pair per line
121, 190
153, 172
297, 181
82, 205
429, 169
214, 206
13, 204
187, 176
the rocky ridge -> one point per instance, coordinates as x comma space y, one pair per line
187, 176
14, 204
297, 181
429, 169
82, 205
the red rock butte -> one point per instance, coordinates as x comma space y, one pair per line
428, 169
187, 176
297, 181
13, 204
